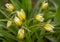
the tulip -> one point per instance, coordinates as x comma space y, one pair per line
17, 21
21, 34
49, 27
39, 17
9, 7
21, 14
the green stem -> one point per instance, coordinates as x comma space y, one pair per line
3, 20
36, 25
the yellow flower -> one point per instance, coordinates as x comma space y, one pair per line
39, 18
44, 5
21, 34
9, 23
9, 7
17, 21
49, 27
21, 14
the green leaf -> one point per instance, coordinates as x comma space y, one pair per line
6, 34
4, 13
27, 5
51, 38
56, 2
57, 16
36, 8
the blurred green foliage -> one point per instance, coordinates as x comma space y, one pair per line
37, 34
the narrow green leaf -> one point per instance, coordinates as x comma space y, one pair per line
57, 16
4, 13
37, 8
6, 34
16, 4
27, 6
56, 2
51, 38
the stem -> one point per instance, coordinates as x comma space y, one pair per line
3, 20
26, 29
36, 25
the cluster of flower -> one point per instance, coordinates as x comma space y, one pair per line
22, 16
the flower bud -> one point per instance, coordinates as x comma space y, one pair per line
9, 23
21, 34
49, 27
9, 7
21, 14
39, 18
44, 5
17, 21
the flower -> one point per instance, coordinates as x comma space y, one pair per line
20, 33
17, 21
39, 18
21, 14
44, 5
9, 23
9, 7
49, 27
